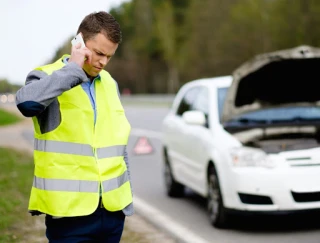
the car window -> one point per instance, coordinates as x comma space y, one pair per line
187, 100
201, 103
222, 92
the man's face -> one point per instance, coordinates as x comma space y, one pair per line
102, 50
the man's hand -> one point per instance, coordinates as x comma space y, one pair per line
80, 55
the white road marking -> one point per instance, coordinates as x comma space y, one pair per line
166, 223
138, 132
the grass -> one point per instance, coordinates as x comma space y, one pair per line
15, 183
7, 118
16, 225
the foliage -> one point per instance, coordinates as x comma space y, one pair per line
170, 42
6, 87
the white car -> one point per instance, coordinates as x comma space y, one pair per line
250, 141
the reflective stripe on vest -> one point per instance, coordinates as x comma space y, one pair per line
65, 185
79, 185
63, 147
115, 183
112, 151
78, 148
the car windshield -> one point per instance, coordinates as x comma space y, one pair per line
281, 114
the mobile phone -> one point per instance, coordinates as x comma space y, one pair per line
78, 39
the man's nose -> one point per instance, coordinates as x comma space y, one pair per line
104, 61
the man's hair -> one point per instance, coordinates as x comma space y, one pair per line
100, 22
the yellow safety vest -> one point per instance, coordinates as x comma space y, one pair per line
74, 160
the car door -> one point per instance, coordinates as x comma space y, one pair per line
196, 140
178, 143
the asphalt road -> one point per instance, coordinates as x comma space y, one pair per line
190, 211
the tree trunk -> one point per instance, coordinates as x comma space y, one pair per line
173, 79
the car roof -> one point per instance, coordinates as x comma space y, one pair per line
215, 82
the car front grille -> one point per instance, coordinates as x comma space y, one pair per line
302, 161
306, 196
255, 199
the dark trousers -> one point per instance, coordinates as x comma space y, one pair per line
100, 227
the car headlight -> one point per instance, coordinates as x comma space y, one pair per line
251, 157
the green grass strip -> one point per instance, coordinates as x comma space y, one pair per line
16, 173
7, 118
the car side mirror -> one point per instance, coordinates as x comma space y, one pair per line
194, 118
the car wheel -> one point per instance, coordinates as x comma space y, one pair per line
217, 213
173, 188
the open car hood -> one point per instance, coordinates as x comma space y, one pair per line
283, 78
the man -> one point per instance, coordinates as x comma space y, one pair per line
82, 178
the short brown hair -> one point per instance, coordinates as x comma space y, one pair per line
100, 22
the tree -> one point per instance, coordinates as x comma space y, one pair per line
6, 87
167, 43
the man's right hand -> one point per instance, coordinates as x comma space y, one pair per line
80, 55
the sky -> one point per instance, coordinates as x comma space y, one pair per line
32, 30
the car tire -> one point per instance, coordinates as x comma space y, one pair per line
173, 188
217, 212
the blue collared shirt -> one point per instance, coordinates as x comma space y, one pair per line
88, 87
